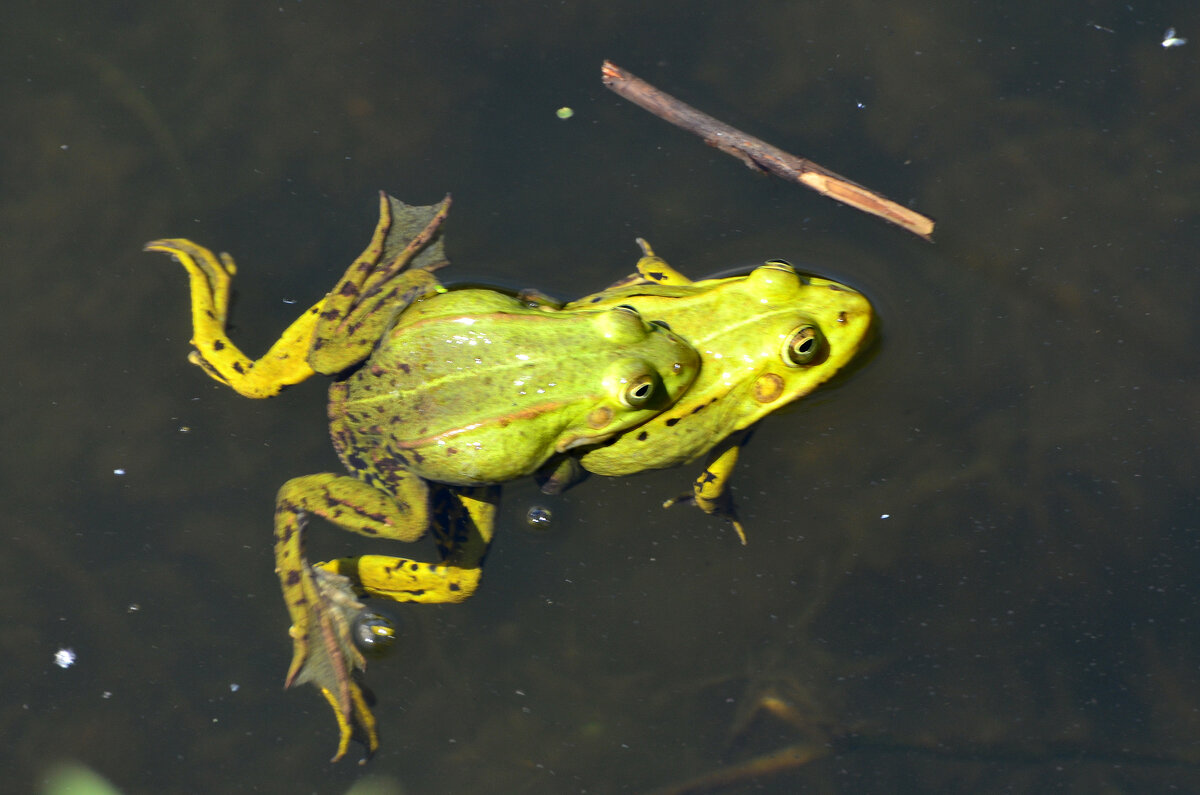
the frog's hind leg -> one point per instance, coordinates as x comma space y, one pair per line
462, 521
338, 331
283, 365
321, 598
321, 603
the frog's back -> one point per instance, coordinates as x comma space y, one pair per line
474, 386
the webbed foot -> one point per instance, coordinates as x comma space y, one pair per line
325, 654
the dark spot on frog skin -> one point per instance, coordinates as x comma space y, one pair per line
293, 577
671, 422
349, 288
218, 346
657, 276
454, 586
356, 462
238, 367
388, 466
641, 437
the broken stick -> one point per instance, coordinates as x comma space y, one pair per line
760, 155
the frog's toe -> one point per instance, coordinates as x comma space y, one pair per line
210, 276
722, 508
358, 724
198, 260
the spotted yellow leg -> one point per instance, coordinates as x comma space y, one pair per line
321, 600
209, 276
710, 490
337, 333
348, 313
654, 269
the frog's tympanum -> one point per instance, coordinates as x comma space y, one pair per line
443, 394
765, 339
440, 395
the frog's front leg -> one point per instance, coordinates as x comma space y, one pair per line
209, 276
319, 598
710, 490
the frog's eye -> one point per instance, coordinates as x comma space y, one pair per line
633, 383
373, 633
803, 346
638, 391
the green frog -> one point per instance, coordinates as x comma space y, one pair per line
765, 339
441, 395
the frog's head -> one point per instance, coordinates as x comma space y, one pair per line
654, 368
781, 336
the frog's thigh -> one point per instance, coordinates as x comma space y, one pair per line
348, 503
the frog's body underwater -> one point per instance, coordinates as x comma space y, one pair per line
443, 394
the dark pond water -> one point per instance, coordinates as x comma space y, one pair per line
973, 563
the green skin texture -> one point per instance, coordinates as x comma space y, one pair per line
473, 387
744, 328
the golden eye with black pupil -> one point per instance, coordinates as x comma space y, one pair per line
638, 391
803, 346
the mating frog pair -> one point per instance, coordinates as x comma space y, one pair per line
441, 395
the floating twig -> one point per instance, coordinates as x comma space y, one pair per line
760, 155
